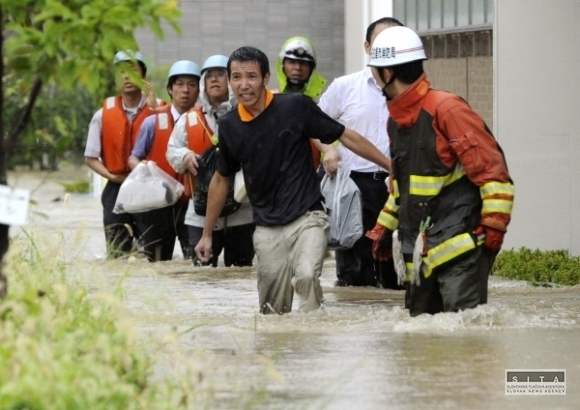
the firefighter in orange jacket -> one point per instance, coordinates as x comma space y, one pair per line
452, 195
112, 133
159, 227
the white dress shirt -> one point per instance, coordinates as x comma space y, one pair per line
358, 102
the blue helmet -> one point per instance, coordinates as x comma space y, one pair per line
215, 61
184, 67
128, 56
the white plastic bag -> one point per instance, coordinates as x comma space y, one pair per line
240, 194
146, 188
344, 203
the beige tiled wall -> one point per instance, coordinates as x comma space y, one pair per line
220, 26
471, 78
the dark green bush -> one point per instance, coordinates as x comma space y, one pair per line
538, 267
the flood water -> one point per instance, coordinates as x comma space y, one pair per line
361, 351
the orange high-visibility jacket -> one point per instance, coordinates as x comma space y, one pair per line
119, 135
199, 140
164, 125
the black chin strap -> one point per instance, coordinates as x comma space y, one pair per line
296, 83
384, 89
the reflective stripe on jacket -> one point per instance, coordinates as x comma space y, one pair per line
164, 125
200, 137
119, 134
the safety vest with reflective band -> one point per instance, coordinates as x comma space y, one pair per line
119, 135
200, 137
164, 125
425, 187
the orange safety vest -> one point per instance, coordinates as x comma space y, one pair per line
315, 151
199, 140
118, 135
164, 125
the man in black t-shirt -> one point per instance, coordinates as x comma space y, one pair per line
268, 137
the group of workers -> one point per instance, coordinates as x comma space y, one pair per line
436, 193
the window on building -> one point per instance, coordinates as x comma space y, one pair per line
430, 16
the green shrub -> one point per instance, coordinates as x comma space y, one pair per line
63, 347
538, 267
76, 187
68, 341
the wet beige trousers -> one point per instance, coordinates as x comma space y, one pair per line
290, 257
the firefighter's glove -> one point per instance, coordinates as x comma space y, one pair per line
382, 242
493, 238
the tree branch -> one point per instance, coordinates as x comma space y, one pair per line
24, 117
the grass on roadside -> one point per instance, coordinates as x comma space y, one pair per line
541, 268
63, 347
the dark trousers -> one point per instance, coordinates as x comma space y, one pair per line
235, 241
159, 227
119, 228
460, 284
356, 266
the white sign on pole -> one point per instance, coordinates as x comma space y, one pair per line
13, 205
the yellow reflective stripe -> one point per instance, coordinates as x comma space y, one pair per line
395, 194
388, 221
425, 186
391, 205
446, 251
496, 188
409, 266
430, 185
497, 206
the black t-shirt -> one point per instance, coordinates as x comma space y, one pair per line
274, 151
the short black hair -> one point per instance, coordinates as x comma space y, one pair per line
249, 54
387, 21
174, 78
408, 73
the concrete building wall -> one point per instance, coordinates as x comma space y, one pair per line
537, 78
469, 77
220, 26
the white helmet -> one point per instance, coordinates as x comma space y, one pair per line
298, 48
215, 61
128, 56
396, 45
184, 67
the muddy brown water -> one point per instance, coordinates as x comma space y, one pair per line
361, 351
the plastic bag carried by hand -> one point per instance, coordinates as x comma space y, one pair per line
146, 188
344, 203
207, 166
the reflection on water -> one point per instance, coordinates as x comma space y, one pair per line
362, 351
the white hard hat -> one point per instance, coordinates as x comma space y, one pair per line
396, 45
184, 67
215, 61
128, 56
298, 48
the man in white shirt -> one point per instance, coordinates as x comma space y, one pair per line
357, 101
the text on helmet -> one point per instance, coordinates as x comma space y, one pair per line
383, 52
